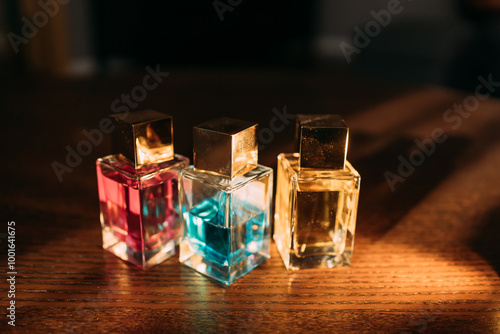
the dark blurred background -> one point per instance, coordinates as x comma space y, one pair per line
444, 42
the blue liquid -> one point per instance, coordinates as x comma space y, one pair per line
210, 237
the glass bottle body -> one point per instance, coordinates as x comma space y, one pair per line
140, 217
315, 214
227, 222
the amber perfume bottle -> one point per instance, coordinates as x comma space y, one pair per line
225, 200
138, 189
317, 196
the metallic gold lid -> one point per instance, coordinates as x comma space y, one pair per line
322, 141
225, 146
299, 118
144, 137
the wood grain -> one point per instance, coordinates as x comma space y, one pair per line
426, 258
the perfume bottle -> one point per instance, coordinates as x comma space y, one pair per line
225, 200
138, 189
317, 196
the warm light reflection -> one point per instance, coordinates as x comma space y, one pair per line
147, 154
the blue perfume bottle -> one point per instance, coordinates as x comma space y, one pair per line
225, 200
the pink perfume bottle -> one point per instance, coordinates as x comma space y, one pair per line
138, 189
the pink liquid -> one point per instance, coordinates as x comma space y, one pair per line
139, 208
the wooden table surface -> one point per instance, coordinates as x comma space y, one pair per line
426, 256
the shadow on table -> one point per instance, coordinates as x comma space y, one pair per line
485, 242
380, 206
381, 209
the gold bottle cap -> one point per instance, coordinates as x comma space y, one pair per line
322, 141
300, 118
225, 146
144, 137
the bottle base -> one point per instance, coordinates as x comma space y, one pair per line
319, 261
224, 274
143, 260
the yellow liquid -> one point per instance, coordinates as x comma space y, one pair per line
318, 231
315, 215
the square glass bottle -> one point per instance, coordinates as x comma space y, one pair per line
138, 189
317, 197
225, 200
